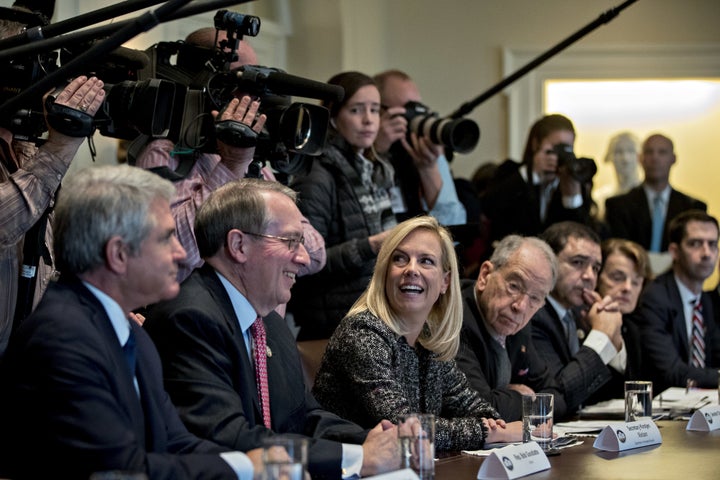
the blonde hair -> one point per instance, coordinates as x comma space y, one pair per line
441, 334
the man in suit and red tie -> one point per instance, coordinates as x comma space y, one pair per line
496, 351
644, 213
681, 340
221, 332
81, 384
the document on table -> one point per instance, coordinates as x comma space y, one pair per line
673, 399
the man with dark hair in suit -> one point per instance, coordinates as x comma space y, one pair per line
496, 351
680, 337
643, 214
81, 384
577, 333
222, 332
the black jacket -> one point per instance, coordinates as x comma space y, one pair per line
328, 195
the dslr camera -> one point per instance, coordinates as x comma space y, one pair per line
460, 135
582, 169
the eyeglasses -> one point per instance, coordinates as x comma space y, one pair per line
516, 291
292, 243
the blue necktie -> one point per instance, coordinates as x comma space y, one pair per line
658, 222
129, 351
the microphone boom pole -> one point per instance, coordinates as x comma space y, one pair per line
468, 107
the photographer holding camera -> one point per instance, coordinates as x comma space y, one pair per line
29, 179
551, 184
212, 170
425, 183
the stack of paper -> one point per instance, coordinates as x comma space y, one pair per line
674, 400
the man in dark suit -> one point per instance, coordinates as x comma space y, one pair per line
496, 351
81, 384
577, 333
673, 305
250, 235
643, 214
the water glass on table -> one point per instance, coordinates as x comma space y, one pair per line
284, 458
416, 434
538, 419
638, 400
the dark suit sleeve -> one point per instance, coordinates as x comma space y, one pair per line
507, 402
616, 219
215, 394
81, 416
577, 376
659, 321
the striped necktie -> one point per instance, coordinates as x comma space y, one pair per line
257, 330
697, 340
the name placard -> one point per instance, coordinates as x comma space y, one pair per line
514, 461
617, 437
705, 419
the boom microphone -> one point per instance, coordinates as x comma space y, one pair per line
279, 81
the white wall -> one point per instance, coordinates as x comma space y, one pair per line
453, 48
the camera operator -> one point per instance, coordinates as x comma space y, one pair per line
29, 179
424, 181
527, 198
210, 171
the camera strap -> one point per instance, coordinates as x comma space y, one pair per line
34, 247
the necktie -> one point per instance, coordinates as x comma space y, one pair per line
571, 328
257, 330
697, 342
129, 352
658, 222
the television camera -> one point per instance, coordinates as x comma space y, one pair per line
150, 96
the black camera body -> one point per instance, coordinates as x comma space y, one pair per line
582, 169
170, 91
460, 135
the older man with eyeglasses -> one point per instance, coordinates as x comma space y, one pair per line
230, 362
496, 351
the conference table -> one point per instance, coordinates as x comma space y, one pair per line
687, 455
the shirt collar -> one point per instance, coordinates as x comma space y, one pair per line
559, 309
244, 312
651, 194
118, 319
686, 295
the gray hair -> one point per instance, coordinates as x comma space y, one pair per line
512, 243
98, 203
239, 204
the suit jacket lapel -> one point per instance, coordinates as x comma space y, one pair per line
558, 331
126, 388
247, 382
679, 324
642, 214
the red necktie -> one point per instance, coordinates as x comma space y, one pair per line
257, 330
697, 343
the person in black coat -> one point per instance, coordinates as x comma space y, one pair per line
526, 198
345, 195
81, 384
625, 272
630, 215
577, 332
250, 235
666, 309
496, 350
